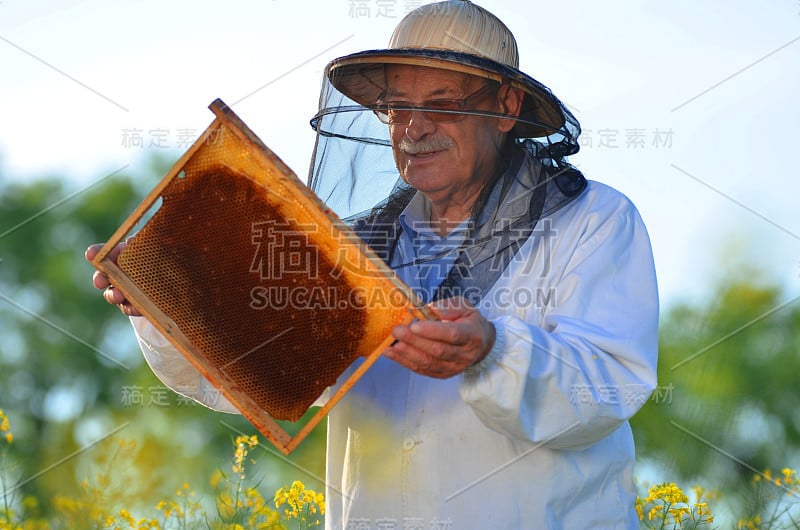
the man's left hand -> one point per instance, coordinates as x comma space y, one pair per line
445, 347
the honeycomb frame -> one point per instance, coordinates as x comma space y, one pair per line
235, 222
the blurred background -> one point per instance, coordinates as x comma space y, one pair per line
690, 109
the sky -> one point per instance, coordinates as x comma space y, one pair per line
689, 108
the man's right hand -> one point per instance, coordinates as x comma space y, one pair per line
100, 280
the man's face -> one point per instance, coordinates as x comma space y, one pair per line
446, 160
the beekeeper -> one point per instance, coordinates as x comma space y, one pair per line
511, 409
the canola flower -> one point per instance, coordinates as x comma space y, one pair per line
5, 428
7, 438
182, 510
241, 505
787, 480
125, 521
667, 506
243, 443
772, 510
304, 505
750, 523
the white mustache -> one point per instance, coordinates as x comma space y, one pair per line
427, 145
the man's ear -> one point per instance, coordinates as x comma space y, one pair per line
509, 100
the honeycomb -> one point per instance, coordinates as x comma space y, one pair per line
266, 285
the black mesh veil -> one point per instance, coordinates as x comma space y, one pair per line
352, 168
354, 173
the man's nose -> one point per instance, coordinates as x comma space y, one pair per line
419, 124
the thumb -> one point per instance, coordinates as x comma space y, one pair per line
452, 308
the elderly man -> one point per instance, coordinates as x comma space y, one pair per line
511, 410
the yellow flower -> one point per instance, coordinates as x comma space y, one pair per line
30, 503
5, 427
654, 511
240, 453
225, 505
669, 493
216, 478
250, 441
787, 480
667, 506
753, 523
679, 512
639, 509
127, 517
300, 503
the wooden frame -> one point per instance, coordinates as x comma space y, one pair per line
265, 169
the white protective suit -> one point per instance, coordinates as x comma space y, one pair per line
534, 436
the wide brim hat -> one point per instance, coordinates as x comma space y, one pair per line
458, 36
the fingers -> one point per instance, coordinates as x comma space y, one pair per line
442, 348
128, 310
100, 280
447, 341
423, 362
115, 297
445, 347
92, 251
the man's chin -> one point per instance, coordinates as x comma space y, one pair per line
424, 181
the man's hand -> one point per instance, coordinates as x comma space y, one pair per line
446, 347
100, 280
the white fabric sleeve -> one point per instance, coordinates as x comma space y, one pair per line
588, 362
174, 370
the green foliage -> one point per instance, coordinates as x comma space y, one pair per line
731, 368
51, 316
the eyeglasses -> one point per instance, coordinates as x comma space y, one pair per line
437, 110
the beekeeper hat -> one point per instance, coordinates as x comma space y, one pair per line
459, 36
